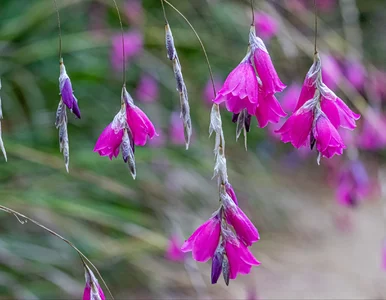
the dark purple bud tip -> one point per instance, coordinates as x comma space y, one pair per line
312, 140
235, 117
75, 109
225, 270
217, 262
247, 122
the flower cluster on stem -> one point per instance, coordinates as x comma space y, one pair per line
226, 236
317, 116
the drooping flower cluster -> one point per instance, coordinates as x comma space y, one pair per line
226, 236
317, 116
250, 88
130, 128
181, 87
92, 290
1, 139
67, 99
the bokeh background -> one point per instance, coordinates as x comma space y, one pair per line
322, 227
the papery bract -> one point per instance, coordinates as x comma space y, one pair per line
240, 89
204, 241
240, 258
92, 290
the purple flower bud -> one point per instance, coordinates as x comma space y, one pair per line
66, 92
235, 118
217, 262
225, 269
247, 122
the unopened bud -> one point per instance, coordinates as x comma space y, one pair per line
225, 269
127, 147
217, 262
170, 48
92, 290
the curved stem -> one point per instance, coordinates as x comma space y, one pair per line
164, 11
199, 40
316, 25
123, 44
59, 29
81, 255
253, 14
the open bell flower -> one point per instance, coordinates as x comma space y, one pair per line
204, 241
239, 257
240, 89
140, 125
92, 290
110, 140
66, 91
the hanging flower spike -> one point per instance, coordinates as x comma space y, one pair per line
1, 139
181, 87
140, 125
92, 290
318, 114
66, 92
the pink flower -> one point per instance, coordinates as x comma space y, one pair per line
266, 26
139, 124
176, 130
356, 73
327, 138
208, 90
297, 128
147, 90
240, 89
331, 71
243, 227
110, 139
353, 184
373, 135
269, 110
92, 290
204, 241
133, 45
173, 251
271, 82
239, 257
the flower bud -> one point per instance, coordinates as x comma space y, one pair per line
92, 290
225, 269
127, 148
170, 48
217, 262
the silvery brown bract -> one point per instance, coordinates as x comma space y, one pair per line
225, 269
61, 124
127, 148
180, 84
1, 139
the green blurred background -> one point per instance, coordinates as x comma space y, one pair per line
122, 225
